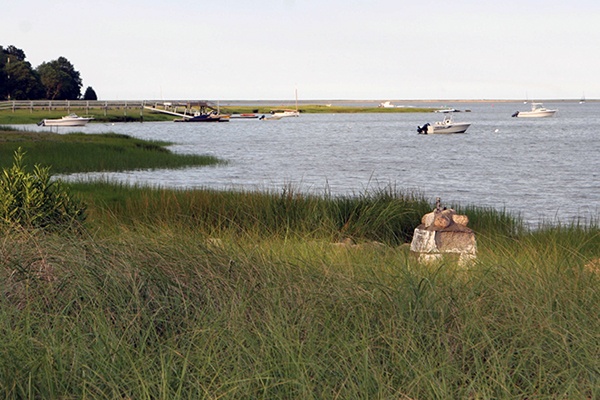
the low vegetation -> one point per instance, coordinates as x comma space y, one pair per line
33, 200
80, 152
324, 109
208, 294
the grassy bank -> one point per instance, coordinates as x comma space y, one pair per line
200, 294
79, 152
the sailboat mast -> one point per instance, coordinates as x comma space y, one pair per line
296, 99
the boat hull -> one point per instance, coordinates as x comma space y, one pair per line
536, 114
285, 113
453, 128
205, 118
66, 121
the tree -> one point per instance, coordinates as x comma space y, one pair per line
15, 53
3, 78
60, 79
18, 80
22, 82
90, 94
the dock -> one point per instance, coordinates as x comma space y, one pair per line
181, 108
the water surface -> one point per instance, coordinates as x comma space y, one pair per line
543, 169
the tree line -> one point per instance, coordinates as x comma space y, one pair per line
53, 80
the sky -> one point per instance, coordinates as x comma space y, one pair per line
321, 49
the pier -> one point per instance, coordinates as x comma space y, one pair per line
175, 107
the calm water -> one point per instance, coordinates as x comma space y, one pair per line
544, 169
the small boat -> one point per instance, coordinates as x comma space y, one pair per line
285, 113
67, 120
271, 118
446, 126
537, 111
205, 117
244, 116
386, 104
446, 110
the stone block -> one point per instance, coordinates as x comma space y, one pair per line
443, 232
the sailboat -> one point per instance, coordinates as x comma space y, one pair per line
287, 112
582, 99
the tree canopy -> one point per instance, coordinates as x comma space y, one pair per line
90, 94
54, 80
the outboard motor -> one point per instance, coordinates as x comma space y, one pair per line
515, 114
422, 129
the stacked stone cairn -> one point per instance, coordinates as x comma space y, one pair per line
444, 233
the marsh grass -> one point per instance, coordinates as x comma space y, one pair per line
322, 109
161, 312
206, 294
387, 215
79, 152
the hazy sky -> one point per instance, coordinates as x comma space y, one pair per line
327, 49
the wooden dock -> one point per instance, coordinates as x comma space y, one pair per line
171, 106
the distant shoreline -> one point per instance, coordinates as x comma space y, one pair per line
397, 102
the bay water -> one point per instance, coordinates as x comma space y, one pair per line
542, 169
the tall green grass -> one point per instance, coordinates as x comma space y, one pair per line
172, 294
385, 215
388, 215
159, 312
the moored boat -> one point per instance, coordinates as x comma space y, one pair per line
285, 113
537, 111
446, 126
67, 120
205, 117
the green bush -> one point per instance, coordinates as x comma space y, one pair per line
33, 200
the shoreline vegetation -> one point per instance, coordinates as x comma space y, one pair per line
165, 293
134, 114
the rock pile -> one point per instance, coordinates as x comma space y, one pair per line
442, 232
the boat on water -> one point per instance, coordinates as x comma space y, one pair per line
446, 126
285, 113
271, 118
67, 120
537, 111
244, 116
446, 110
205, 117
277, 114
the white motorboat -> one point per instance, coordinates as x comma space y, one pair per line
446, 126
446, 110
537, 111
271, 118
67, 120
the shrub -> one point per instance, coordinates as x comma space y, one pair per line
33, 200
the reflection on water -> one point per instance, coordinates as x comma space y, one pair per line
544, 169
